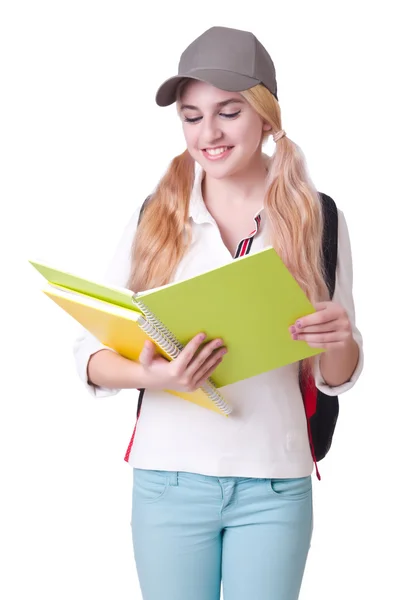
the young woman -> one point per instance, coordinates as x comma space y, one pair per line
214, 499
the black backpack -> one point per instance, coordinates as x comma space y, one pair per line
321, 410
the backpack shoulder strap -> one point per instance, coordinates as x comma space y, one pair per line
141, 390
330, 239
145, 203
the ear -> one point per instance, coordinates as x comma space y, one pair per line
266, 126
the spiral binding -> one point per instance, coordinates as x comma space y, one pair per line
157, 336
173, 350
151, 317
216, 398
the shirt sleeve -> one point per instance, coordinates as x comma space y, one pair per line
117, 273
343, 295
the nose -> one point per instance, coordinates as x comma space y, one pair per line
211, 132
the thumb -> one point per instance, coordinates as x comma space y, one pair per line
321, 305
147, 354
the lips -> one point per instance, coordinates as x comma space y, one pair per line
218, 152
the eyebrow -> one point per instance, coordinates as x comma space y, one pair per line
217, 105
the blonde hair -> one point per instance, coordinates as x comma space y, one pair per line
292, 205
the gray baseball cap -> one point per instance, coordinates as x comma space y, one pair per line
229, 59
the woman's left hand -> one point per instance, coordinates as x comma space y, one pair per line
329, 327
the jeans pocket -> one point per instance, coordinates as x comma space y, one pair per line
295, 488
150, 486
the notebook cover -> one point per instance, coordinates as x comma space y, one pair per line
116, 295
250, 303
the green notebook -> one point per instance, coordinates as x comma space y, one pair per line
250, 303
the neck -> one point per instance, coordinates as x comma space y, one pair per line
242, 188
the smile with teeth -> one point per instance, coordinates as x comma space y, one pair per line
217, 151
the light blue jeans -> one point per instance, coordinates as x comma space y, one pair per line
192, 532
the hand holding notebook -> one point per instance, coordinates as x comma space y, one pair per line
189, 371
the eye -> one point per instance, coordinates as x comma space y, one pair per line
192, 119
230, 116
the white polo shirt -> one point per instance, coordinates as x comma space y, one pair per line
266, 434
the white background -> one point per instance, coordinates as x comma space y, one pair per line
82, 143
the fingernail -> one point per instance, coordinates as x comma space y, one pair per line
295, 336
223, 352
298, 324
293, 329
202, 336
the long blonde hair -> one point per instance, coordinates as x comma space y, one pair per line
292, 208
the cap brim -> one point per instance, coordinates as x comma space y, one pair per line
224, 80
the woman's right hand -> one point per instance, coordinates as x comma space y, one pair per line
188, 371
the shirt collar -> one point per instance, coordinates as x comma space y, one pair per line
197, 208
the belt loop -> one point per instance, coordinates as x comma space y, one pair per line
173, 478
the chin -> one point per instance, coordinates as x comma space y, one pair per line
219, 170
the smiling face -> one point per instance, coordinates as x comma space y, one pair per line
223, 132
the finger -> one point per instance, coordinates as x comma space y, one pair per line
327, 312
208, 366
318, 328
323, 338
327, 346
317, 318
208, 373
147, 354
187, 354
202, 356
